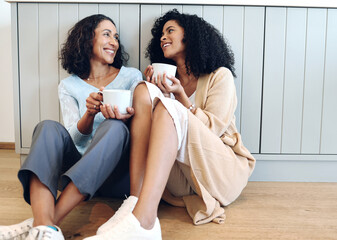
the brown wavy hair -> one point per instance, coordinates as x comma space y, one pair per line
77, 50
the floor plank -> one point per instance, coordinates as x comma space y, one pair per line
265, 210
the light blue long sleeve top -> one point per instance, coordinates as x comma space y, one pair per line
73, 92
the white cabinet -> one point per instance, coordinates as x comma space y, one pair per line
300, 64
286, 66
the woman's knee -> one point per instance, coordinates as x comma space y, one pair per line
160, 110
141, 95
49, 126
48, 123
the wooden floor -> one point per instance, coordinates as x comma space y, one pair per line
265, 210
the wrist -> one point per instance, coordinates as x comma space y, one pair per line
192, 108
90, 114
180, 95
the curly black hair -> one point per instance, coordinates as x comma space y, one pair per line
77, 50
206, 49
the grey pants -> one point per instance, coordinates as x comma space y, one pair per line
54, 159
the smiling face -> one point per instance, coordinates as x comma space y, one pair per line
171, 41
105, 43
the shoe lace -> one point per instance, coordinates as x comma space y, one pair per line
25, 228
42, 235
46, 235
15, 234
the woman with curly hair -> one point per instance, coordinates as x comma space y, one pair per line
89, 153
188, 143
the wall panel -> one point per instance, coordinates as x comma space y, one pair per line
329, 113
233, 31
193, 9
48, 64
148, 15
68, 16
129, 31
313, 83
85, 10
293, 80
112, 11
252, 77
29, 70
273, 80
166, 7
214, 15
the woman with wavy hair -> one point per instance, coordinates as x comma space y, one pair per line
183, 136
89, 154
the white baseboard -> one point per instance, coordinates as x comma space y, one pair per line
295, 171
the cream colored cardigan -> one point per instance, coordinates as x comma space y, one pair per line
220, 164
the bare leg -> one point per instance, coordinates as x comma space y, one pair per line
162, 152
140, 132
43, 206
68, 200
42, 202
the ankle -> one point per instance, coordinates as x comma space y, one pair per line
39, 222
135, 193
146, 221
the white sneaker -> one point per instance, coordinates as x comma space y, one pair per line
44, 232
17, 231
129, 229
126, 208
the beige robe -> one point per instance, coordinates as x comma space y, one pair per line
220, 164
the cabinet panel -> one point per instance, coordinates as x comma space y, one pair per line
252, 77
111, 11
313, 82
295, 72
329, 114
193, 9
48, 64
16, 77
233, 31
129, 31
294, 80
273, 80
148, 15
165, 8
214, 15
85, 10
29, 70
68, 16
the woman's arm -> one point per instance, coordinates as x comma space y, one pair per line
71, 116
93, 102
86, 123
218, 101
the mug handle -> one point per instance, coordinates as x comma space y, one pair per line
100, 93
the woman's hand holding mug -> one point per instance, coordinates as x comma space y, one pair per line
110, 110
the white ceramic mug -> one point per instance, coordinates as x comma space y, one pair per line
163, 67
119, 97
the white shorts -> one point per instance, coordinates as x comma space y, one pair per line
180, 182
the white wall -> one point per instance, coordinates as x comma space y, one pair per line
6, 81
